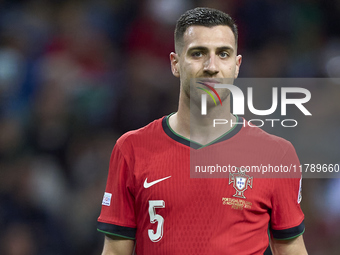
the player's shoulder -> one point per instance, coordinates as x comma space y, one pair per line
143, 134
264, 138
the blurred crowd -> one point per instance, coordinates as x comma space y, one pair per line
75, 75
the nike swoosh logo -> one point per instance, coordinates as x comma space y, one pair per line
149, 184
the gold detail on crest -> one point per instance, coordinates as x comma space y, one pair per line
236, 203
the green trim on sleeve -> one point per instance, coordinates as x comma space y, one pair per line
112, 234
292, 237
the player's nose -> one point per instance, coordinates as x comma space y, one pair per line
210, 65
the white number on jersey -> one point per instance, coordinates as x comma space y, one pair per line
153, 204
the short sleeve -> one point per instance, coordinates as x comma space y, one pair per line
117, 215
287, 218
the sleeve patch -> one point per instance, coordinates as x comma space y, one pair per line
107, 199
116, 230
289, 233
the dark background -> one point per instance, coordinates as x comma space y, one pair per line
75, 75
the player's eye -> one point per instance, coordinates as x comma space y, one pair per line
196, 54
224, 54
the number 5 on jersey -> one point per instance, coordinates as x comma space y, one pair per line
153, 204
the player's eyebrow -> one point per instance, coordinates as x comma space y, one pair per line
218, 49
200, 48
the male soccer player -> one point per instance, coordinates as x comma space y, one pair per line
151, 202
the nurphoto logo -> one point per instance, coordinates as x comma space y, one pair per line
238, 104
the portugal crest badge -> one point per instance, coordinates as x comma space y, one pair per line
240, 181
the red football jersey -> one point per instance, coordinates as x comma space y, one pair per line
151, 197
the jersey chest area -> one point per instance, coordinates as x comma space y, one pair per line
170, 205
166, 176
169, 187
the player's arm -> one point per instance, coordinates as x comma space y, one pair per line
117, 216
295, 246
115, 245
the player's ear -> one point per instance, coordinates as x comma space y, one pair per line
238, 64
174, 60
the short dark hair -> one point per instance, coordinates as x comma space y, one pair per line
202, 16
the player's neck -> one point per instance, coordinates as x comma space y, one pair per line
191, 124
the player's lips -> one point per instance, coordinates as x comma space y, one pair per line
208, 81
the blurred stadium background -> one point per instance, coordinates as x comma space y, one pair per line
75, 75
